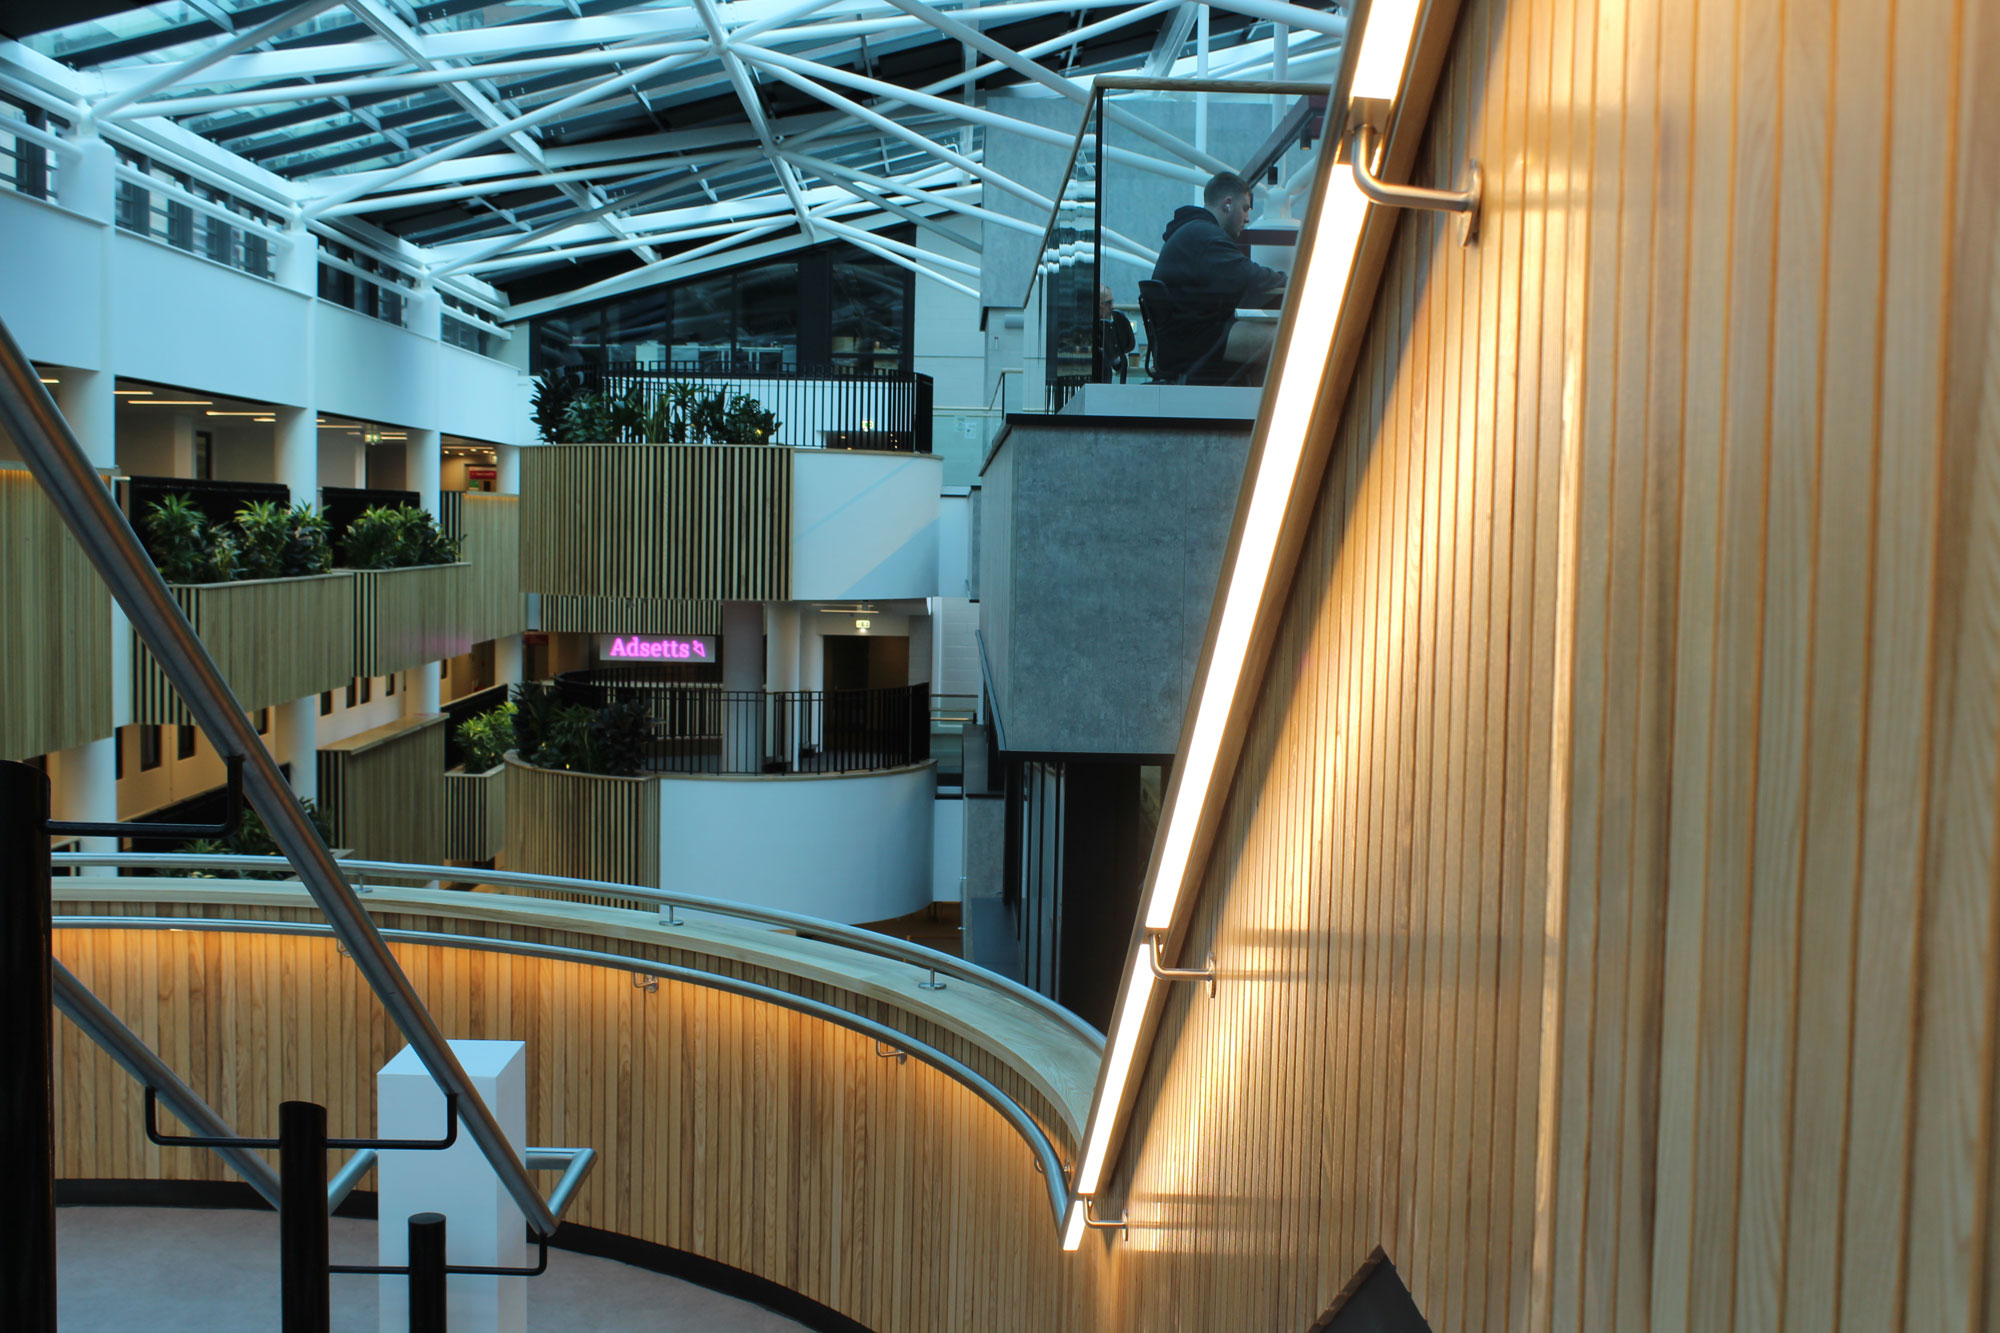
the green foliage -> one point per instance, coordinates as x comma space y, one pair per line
396, 538
680, 413
551, 733
746, 421
308, 546
554, 391
252, 838
487, 738
266, 534
263, 542
179, 539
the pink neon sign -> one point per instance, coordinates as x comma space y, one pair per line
656, 648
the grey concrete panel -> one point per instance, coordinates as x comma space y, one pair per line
1115, 536
995, 557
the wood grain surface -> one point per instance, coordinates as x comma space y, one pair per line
55, 629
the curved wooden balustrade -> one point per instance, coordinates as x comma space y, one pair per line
730, 1125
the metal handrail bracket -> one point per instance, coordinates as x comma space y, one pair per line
1362, 149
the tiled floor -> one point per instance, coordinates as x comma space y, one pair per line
207, 1271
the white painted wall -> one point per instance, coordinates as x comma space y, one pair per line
52, 283
845, 848
864, 524
955, 542
947, 851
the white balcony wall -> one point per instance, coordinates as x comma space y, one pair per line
864, 524
51, 280
849, 847
77, 292
196, 324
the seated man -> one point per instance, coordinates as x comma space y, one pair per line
1208, 277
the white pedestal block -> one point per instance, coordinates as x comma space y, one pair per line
482, 1224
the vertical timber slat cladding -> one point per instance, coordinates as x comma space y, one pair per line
583, 826
661, 522
694, 1100
629, 615
274, 640
494, 606
475, 810
1607, 898
411, 617
55, 629
384, 790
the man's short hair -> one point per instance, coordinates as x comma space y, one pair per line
1224, 185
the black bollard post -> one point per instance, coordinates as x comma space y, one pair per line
302, 1225
27, 1044
427, 1299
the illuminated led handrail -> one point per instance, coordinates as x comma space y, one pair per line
854, 937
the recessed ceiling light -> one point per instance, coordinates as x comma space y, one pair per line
132, 393
174, 402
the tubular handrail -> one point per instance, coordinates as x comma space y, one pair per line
1047, 1159
30, 417
854, 937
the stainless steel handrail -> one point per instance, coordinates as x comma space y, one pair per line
52, 454
136, 1058
1047, 1160
865, 941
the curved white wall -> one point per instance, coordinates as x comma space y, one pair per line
850, 848
864, 524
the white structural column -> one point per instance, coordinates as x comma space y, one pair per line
742, 671
812, 668
85, 777
781, 673
423, 464
295, 725
483, 1227
507, 655
420, 690
507, 652
921, 649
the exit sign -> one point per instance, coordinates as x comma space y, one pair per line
656, 648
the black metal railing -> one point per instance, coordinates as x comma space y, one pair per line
706, 729
817, 407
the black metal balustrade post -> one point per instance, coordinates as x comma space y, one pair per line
302, 1218
27, 1115
427, 1273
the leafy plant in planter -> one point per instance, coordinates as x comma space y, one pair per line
308, 544
746, 421
184, 546
551, 733
485, 739
555, 390
396, 538
267, 536
600, 418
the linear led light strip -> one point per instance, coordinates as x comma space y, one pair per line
1385, 49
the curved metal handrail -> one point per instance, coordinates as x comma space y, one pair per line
864, 941
1047, 1160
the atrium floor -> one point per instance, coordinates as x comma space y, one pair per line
216, 1270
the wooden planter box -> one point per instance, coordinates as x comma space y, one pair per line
475, 814
583, 826
384, 790
407, 617
275, 640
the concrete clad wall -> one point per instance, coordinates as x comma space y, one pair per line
864, 524
1101, 545
846, 848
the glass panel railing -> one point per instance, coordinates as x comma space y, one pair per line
1173, 236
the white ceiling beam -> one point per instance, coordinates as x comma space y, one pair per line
214, 55
596, 92
909, 190
1069, 88
910, 215
1292, 16
753, 108
702, 259
922, 256
861, 239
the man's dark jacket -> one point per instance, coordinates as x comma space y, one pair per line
1207, 277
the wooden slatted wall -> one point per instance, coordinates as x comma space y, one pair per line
1616, 825
475, 814
408, 617
55, 629
494, 605
726, 1127
275, 640
629, 615
384, 790
583, 826
694, 522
